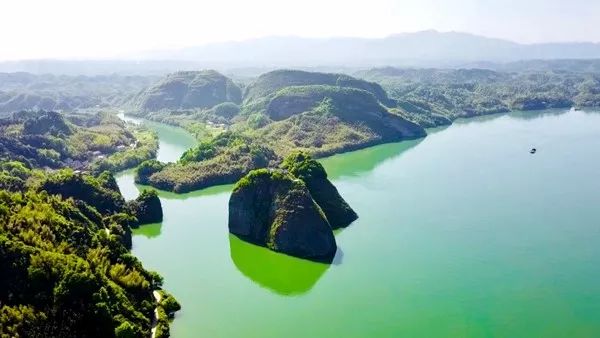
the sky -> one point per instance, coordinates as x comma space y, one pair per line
92, 29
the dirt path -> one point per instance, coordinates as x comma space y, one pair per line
158, 298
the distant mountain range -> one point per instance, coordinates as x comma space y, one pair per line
420, 49
412, 48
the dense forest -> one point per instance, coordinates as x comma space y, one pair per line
25, 91
65, 234
183, 90
435, 96
66, 267
93, 142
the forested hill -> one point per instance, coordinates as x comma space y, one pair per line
65, 235
188, 90
269, 83
25, 91
425, 95
207, 89
93, 142
541, 65
281, 111
66, 267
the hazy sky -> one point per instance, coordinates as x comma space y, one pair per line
109, 28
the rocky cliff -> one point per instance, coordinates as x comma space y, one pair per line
291, 210
271, 208
338, 212
146, 208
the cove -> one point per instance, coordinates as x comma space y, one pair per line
461, 234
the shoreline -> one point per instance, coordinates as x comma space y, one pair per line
343, 150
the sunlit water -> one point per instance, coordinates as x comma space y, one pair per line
461, 234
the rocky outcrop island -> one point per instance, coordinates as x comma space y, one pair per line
292, 209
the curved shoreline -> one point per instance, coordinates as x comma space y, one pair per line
231, 178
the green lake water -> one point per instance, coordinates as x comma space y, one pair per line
173, 141
461, 234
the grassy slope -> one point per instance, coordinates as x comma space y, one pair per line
323, 120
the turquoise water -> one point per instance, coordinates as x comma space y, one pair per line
461, 234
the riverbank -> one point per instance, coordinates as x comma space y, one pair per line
193, 176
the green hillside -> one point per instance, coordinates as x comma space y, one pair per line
66, 267
271, 82
437, 96
335, 114
188, 90
94, 142
323, 120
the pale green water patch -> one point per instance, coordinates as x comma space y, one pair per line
148, 230
358, 162
279, 273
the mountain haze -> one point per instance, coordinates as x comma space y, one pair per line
341, 54
419, 47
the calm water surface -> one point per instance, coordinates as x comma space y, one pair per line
173, 141
461, 234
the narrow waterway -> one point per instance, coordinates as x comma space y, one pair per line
461, 234
173, 141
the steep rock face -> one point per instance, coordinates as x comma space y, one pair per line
338, 212
146, 208
188, 90
273, 209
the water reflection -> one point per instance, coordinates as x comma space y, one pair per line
478, 119
130, 189
520, 115
277, 272
357, 162
148, 230
532, 115
214, 190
